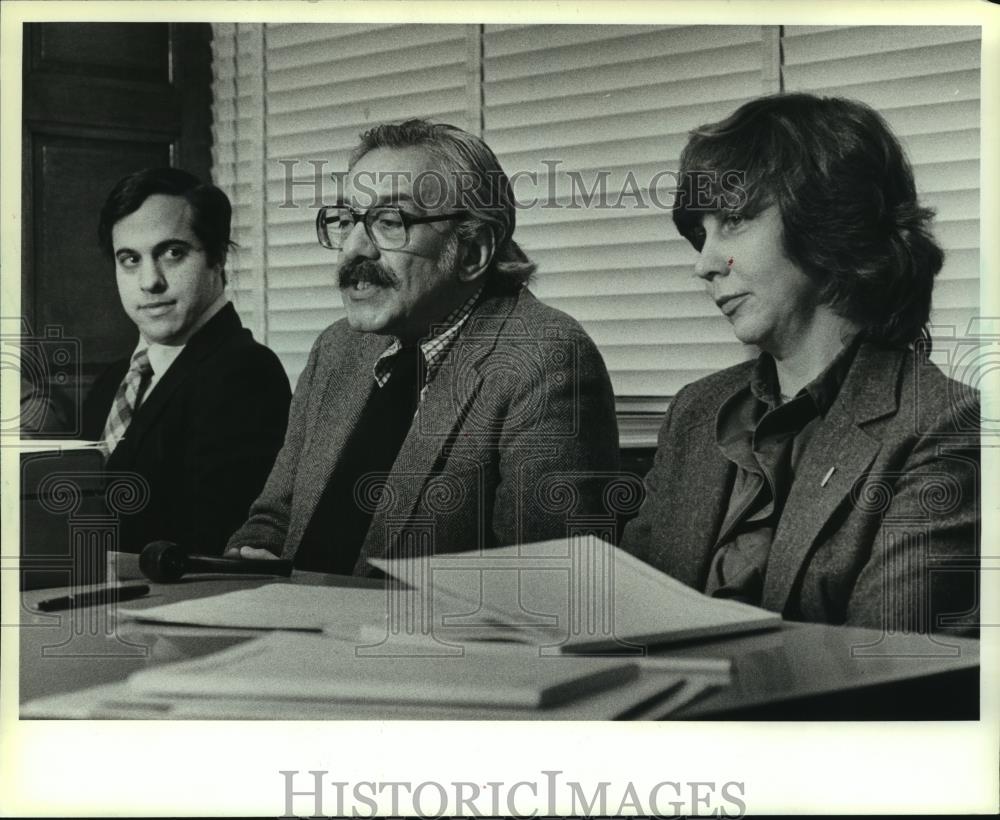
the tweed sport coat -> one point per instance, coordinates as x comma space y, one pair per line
204, 439
889, 540
513, 440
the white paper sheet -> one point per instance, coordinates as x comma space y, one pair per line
340, 610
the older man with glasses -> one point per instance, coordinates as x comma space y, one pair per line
450, 410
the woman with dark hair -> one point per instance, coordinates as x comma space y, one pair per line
822, 478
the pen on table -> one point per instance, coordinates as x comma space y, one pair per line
97, 596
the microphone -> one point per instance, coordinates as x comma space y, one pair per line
165, 562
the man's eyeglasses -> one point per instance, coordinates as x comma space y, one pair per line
388, 228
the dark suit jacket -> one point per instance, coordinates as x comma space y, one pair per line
872, 546
203, 440
513, 441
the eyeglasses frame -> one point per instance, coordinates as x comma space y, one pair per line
365, 218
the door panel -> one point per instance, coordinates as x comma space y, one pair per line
100, 100
76, 289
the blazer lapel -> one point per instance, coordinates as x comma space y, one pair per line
341, 405
440, 416
841, 446
224, 324
690, 538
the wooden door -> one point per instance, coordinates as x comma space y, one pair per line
100, 100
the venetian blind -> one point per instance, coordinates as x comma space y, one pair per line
925, 81
291, 102
575, 104
236, 162
570, 109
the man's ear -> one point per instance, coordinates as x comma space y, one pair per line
476, 255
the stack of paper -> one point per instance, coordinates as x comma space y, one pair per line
658, 691
272, 606
312, 667
571, 596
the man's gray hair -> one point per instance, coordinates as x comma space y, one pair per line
479, 186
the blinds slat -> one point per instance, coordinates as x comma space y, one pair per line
673, 282
504, 41
806, 46
942, 147
899, 92
947, 176
958, 235
619, 225
331, 36
308, 44
313, 320
676, 356
892, 65
585, 52
438, 48
575, 177
607, 79
299, 92
605, 124
602, 257
655, 383
337, 147
318, 113
673, 311
660, 93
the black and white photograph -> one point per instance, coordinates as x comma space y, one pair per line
499, 409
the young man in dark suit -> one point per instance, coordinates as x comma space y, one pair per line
450, 410
198, 412
836, 477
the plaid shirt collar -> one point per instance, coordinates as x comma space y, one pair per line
434, 348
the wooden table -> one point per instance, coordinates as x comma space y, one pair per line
800, 671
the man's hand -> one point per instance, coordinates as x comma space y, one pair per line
250, 553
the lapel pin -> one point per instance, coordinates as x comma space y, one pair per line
826, 478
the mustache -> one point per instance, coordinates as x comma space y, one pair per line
366, 270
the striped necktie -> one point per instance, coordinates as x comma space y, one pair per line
126, 399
